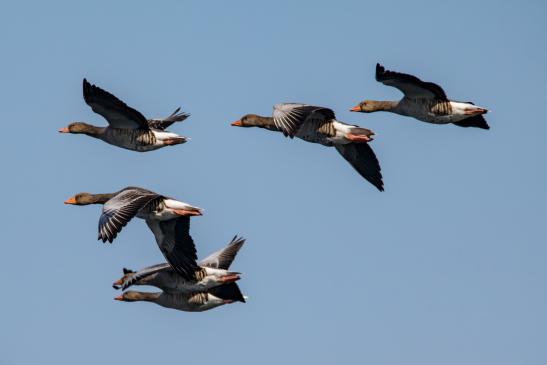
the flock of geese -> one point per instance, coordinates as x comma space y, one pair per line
190, 285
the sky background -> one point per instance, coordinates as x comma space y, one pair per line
447, 266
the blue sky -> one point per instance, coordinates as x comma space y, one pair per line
446, 266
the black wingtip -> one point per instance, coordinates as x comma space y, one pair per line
86, 84
237, 240
85, 87
379, 71
104, 239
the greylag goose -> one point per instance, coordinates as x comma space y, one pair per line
128, 128
424, 101
213, 271
188, 302
319, 125
168, 219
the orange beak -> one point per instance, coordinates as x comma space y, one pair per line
64, 130
119, 297
356, 108
71, 201
237, 123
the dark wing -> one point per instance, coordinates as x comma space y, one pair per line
119, 210
115, 111
364, 161
222, 259
176, 244
289, 117
228, 291
410, 85
477, 121
138, 275
164, 123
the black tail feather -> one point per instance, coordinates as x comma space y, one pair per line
476, 121
228, 291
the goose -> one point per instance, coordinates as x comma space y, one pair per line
188, 302
317, 124
213, 271
128, 128
168, 219
424, 101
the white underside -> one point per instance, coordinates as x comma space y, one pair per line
167, 213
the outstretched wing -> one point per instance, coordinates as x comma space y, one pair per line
409, 85
131, 278
289, 117
115, 111
364, 161
176, 244
119, 210
164, 123
223, 258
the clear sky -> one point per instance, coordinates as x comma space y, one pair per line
447, 266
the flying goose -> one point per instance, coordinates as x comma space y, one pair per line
128, 128
188, 302
424, 101
168, 219
319, 125
212, 271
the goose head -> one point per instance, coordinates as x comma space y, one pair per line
88, 198
129, 296
253, 120
80, 128
249, 120
367, 106
126, 274
137, 296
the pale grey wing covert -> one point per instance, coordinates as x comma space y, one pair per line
289, 117
223, 258
119, 210
135, 276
